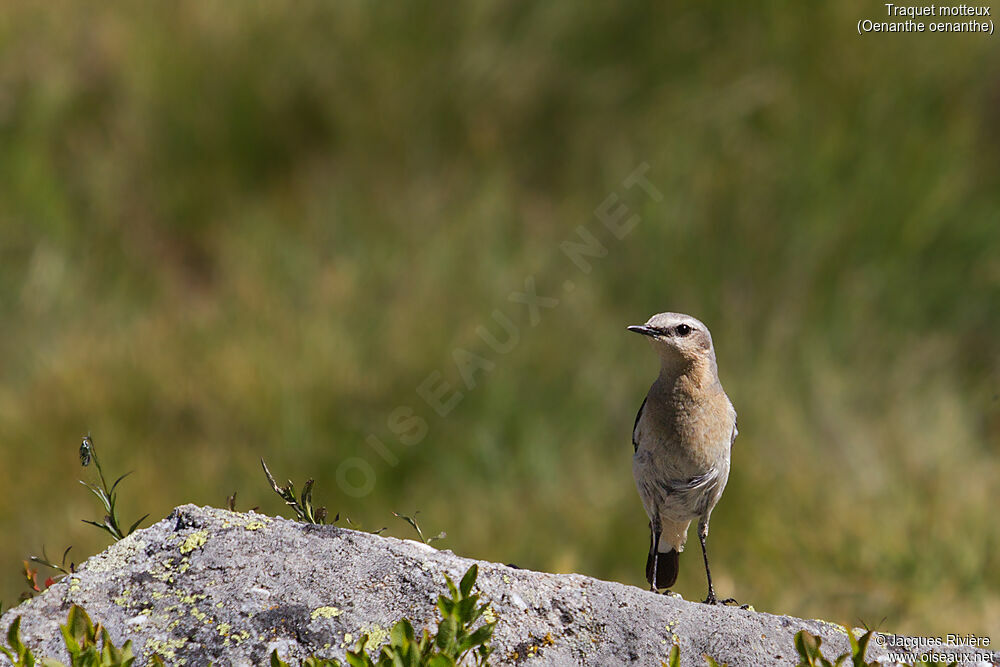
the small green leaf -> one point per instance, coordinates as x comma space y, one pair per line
14, 636
447, 629
135, 525
674, 659
465, 609
441, 660
480, 636
412, 520
859, 647
306, 498
446, 605
807, 646
479, 611
358, 659
401, 633
469, 580
118, 481
451, 586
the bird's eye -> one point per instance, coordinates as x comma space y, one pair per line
683, 330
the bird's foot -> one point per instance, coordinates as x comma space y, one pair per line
665, 591
728, 602
733, 603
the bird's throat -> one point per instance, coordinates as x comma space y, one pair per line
687, 375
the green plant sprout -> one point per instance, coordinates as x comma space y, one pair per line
107, 495
303, 506
412, 520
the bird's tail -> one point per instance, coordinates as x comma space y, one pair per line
667, 565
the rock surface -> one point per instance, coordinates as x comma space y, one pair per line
210, 586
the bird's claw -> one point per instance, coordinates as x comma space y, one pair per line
711, 599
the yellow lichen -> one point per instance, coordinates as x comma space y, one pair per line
376, 636
166, 649
325, 612
248, 522
194, 541
489, 615
836, 627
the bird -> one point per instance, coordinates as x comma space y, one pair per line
682, 440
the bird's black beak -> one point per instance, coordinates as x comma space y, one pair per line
644, 330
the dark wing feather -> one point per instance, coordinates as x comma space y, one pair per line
638, 415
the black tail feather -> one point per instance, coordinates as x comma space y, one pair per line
667, 567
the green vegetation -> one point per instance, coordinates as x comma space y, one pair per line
303, 505
810, 652
229, 232
809, 648
107, 495
457, 637
89, 645
412, 521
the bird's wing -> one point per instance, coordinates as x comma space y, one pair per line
736, 430
635, 427
692, 483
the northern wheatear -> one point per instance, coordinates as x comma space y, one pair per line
682, 436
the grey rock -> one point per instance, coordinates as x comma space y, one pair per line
210, 586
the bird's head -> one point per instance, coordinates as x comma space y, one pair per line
678, 339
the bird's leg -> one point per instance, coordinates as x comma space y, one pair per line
711, 599
702, 534
656, 549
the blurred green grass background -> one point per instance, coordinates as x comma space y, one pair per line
230, 231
